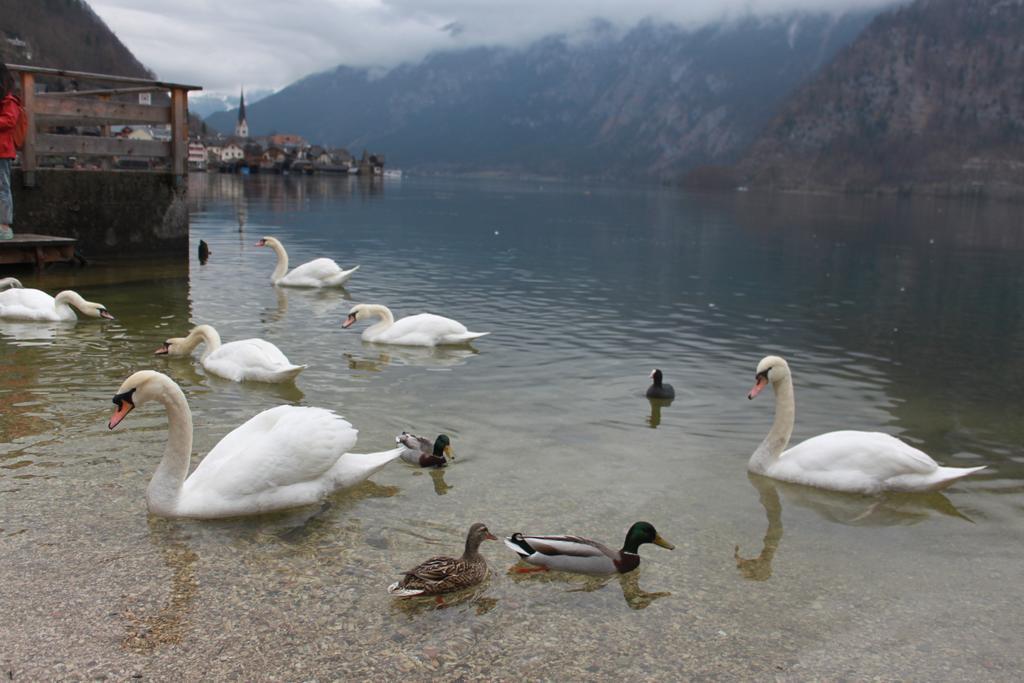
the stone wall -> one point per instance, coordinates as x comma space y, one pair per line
111, 213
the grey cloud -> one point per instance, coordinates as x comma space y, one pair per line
269, 43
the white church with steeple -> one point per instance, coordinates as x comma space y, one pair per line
242, 127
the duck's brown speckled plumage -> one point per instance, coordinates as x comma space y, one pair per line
446, 574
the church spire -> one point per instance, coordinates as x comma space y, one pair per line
242, 127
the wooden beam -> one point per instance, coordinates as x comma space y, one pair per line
106, 91
105, 78
86, 145
97, 112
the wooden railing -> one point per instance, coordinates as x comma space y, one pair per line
69, 109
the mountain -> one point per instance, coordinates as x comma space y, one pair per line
928, 99
63, 34
650, 102
204, 104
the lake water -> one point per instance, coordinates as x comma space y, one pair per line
900, 316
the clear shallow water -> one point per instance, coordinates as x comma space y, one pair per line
906, 317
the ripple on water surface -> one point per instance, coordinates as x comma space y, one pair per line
585, 290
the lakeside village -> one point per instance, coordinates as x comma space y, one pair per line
280, 153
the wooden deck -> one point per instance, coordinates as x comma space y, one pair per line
37, 249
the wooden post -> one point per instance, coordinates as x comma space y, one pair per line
105, 162
28, 151
179, 135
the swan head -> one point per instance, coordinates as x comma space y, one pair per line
771, 369
144, 385
268, 241
359, 311
89, 308
175, 346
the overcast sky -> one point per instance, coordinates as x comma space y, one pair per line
222, 44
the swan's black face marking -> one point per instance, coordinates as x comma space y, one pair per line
126, 397
104, 314
350, 320
162, 351
124, 405
261, 243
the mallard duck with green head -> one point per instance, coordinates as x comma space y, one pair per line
583, 555
419, 451
446, 574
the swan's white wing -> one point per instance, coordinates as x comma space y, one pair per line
279, 447
423, 329
30, 304
871, 454
247, 359
312, 274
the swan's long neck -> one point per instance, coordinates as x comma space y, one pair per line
782, 428
200, 334
165, 486
387, 319
282, 260
69, 298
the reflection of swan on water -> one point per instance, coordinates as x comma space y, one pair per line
168, 624
28, 331
323, 302
760, 568
848, 509
276, 314
415, 356
299, 526
656, 405
852, 509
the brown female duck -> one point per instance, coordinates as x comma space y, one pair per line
444, 574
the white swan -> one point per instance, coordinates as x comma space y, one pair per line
857, 462
284, 457
8, 282
244, 360
321, 272
424, 329
19, 303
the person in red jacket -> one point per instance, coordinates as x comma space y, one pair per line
9, 112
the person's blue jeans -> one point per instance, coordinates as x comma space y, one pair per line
6, 199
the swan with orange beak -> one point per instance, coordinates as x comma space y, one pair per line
852, 461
